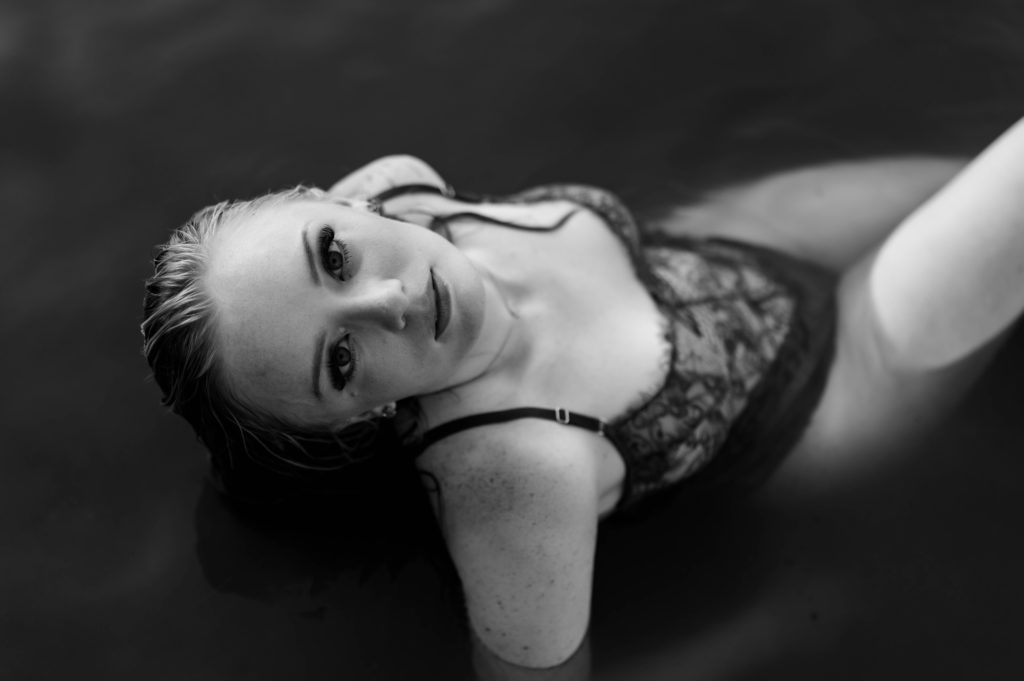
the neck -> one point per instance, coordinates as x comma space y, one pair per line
501, 348
503, 342
503, 339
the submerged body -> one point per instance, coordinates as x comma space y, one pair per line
528, 591
482, 319
682, 334
746, 338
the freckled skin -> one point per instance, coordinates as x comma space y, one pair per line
523, 514
520, 500
270, 309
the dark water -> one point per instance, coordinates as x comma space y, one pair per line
118, 119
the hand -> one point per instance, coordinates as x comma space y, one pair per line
384, 173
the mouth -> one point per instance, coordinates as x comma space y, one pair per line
442, 304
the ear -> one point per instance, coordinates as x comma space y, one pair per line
369, 205
355, 438
385, 411
370, 417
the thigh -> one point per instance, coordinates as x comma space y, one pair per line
831, 214
873, 406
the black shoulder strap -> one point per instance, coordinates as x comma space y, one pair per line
415, 188
559, 415
448, 192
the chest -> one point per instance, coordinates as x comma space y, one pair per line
596, 338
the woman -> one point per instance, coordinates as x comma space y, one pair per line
546, 370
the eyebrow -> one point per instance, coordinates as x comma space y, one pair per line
313, 272
317, 354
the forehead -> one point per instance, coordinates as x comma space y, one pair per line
253, 232
258, 279
256, 257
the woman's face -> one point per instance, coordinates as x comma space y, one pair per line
324, 312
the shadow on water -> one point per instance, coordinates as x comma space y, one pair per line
120, 119
371, 586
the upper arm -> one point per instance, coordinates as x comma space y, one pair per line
831, 214
520, 521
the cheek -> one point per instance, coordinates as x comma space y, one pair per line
263, 385
262, 362
472, 303
397, 244
390, 367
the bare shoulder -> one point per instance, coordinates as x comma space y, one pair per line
518, 508
512, 470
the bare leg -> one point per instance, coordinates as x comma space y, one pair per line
831, 214
920, 316
952, 276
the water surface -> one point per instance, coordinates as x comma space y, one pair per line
120, 119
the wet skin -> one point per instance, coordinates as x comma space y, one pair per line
371, 299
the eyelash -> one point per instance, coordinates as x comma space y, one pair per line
325, 241
339, 376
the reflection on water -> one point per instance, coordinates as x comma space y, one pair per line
120, 119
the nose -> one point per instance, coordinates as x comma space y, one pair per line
377, 302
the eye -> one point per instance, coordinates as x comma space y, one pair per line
341, 363
333, 254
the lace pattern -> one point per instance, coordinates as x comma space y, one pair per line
748, 333
728, 322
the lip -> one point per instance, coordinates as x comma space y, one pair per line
442, 304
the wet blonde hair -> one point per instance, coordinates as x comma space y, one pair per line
178, 342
